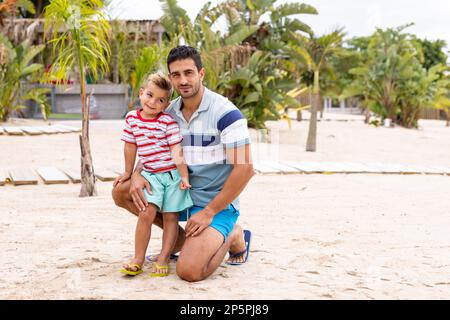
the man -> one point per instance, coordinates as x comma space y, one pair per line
217, 150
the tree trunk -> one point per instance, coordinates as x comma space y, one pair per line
39, 6
366, 115
88, 188
312, 133
321, 106
392, 114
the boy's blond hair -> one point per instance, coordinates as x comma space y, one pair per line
160, 80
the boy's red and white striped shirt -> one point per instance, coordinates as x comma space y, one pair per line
153, 138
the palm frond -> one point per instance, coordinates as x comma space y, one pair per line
290, 9
240, 35
79, 34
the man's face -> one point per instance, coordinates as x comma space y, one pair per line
185, 77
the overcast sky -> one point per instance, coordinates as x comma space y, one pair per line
359, 18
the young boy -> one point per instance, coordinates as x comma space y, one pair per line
155, 137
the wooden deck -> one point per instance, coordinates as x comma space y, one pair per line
53, 175
37, 130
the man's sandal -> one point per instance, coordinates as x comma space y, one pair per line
127, 271
156, 270
244, 253
154, 257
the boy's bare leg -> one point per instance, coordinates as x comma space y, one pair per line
123, 199
142, 236
170, 234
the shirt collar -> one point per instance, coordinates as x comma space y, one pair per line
204, 104
206, 100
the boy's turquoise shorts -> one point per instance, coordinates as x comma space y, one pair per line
166, 193
223, 222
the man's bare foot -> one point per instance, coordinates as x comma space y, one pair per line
237, 244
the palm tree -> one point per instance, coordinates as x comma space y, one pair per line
315, 53
79, 36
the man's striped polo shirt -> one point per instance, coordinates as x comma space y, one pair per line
216, 125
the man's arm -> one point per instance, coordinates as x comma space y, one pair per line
129, 151
238, 179
130, 157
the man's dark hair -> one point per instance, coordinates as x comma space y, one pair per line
184, 52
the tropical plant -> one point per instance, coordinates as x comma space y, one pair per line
259, 89
217, 49
123, 51
149, 60
417, 92
442, 97
39, 95
16, 66
270, 36
79, 33
241, 13
433, 52
227, 55
251, 12
391, 77
314, 53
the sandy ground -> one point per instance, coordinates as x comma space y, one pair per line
315, 236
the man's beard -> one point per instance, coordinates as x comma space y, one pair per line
195, 90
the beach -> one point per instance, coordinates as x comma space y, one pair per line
338, 236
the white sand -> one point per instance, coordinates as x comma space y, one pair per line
315, 236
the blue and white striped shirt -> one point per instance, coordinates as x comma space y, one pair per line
216, 125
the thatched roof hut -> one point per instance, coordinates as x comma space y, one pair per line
17, 30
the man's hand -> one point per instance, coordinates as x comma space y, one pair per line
199, 222
138, 183
122, 178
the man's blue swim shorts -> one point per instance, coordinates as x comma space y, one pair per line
223, 221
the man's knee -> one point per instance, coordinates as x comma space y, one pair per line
190, 273
119, 196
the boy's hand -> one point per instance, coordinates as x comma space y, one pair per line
122, 178
184, 184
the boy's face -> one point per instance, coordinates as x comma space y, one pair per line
153, 100
185, 77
